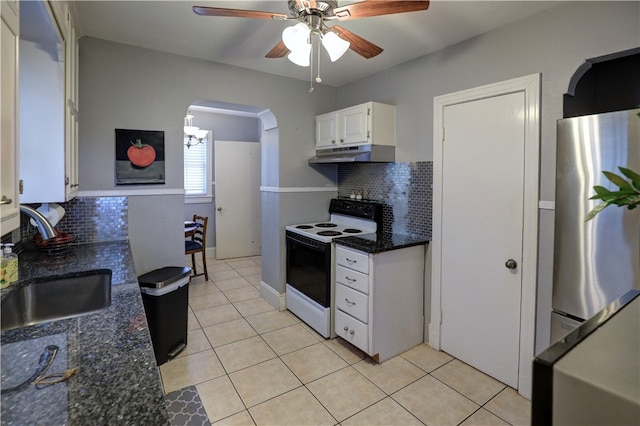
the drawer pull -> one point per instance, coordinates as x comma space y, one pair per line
349, 302
346, 328
351, 262
351, 331
351, 280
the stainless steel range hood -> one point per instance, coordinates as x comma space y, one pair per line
356, 154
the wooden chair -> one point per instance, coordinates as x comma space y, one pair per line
197, 244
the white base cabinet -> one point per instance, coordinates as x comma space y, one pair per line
379, 300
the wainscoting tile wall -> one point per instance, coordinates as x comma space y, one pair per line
405, 189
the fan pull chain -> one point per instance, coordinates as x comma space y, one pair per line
318, 79
311, 66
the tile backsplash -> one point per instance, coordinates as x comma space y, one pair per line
405, 189
91, 219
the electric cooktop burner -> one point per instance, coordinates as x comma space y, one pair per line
351, 231
304, 226
326, 225
329, 233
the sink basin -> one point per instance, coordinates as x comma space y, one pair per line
55, 298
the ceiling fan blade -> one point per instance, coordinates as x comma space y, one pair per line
237, 13
278, 51
365, 9
359, 45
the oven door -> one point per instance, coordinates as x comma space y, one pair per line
309, 267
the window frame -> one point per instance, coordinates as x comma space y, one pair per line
206, 197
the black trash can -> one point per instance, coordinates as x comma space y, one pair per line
165, 294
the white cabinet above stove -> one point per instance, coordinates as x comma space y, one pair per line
370, 123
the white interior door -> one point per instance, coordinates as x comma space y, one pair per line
237, 199
482, 230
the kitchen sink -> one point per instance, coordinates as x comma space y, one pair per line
58, 297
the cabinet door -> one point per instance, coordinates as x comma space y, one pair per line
352, 330
9, 37
326, 130
353, 125
71, 111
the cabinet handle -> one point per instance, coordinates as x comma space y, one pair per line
341, 140
351, 262
351, 280
351, 331
5, 200
346, 328
350, 303
333, 141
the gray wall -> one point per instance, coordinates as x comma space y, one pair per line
225, 127
127, 87
555, 43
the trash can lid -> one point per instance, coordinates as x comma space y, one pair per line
163, 276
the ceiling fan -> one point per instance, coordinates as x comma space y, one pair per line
313, 15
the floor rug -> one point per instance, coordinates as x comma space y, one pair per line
185, 408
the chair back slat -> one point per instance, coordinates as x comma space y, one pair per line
199, 236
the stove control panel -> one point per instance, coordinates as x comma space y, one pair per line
364, 209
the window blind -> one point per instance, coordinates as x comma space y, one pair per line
195, 169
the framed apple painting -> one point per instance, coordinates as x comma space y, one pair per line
139, 157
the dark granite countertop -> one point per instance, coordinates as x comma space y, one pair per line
118, 381
382, 242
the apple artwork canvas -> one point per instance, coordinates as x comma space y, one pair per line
139, 157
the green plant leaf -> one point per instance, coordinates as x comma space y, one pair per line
597, 209
635, 178
618, 180
601, 190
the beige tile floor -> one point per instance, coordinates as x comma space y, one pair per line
254, 365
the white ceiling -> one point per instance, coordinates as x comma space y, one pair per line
171, 26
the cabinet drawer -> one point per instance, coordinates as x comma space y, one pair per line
352, 302
352, 259
352, 330
353, 279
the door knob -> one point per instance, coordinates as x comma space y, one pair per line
219, 209
511, 264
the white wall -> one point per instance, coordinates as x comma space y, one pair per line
555, 43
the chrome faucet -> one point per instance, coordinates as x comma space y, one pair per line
44, 226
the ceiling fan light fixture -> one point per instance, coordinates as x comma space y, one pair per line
335, 46
296, 36
301, 56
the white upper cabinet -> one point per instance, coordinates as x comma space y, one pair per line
369, 123
9, 107
48, 103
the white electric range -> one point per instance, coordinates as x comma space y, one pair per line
310, 259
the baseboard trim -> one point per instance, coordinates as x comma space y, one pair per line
274, 298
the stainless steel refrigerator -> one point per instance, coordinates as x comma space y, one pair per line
595, 262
